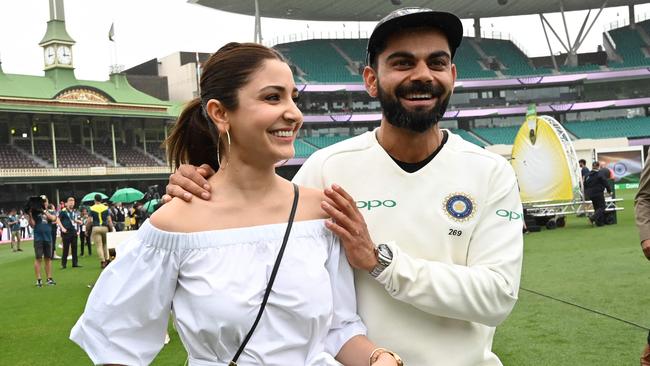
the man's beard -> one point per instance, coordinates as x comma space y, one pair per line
419, 120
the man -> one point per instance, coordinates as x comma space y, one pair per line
100, 223
583, 168
68, 223
84, 237
642, 210
595, 186
14, 227
435, 232
118, 216
54, 228
40, 220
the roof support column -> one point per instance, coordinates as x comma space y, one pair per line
548, 42
257, 37
477, 28
630, 9
54, 160
166, 135
92, 145
31, 134
113, 143
144, 136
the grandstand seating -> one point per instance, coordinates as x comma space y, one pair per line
622, 127
126, 155
467, 136
353, 48
324, 141
153, 148
303, 149
467, 63
11, 158
328, 66
68, 155
497, 135
511, 57
628, 46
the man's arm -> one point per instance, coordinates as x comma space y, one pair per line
642, 209
188, 181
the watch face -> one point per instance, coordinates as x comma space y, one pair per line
64, 55
49, 55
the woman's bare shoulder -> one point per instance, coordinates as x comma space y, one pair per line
173, 216
310, 204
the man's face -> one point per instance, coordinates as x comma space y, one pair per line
69, 204
414, 79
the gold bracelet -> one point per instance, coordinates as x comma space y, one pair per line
374, 356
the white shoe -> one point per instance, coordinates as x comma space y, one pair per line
167, 339
60, 246
69, 257
56, 257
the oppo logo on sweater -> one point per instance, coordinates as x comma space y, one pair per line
372, 204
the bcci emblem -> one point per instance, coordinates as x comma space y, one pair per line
460, 206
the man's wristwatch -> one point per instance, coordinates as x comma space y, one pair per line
384, 259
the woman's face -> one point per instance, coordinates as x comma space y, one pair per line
265, 125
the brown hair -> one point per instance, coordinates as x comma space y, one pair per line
194, 137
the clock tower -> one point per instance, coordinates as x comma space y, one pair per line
57, 44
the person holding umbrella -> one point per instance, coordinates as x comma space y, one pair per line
99, 224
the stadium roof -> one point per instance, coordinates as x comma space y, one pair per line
373, 10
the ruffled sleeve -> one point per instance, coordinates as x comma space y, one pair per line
126, 315
345, 321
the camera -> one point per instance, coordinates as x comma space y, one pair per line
34, 205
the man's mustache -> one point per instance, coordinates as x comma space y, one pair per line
436, 91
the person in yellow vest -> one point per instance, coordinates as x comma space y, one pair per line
99, 224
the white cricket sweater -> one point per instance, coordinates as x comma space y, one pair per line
455, 228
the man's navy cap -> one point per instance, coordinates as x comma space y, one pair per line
414, 17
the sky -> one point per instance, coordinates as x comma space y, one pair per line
147, 29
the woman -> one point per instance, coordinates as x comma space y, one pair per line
213, 259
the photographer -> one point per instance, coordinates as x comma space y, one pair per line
40, 220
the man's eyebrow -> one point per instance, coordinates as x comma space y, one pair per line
404, 54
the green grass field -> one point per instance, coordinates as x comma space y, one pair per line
601, 271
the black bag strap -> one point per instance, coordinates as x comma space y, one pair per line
276, 266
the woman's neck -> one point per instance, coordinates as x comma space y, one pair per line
246, 182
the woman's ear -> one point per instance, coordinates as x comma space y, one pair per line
218, 115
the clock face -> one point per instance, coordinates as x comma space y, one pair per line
49, 55
64, 55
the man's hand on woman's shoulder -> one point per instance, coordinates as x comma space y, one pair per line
188, 181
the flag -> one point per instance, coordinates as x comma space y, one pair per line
111, 32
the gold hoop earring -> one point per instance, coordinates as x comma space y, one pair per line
218, 154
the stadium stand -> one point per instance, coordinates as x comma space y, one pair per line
303, 149
497, 135
12, 158
511, 57
324, 141
329, 66
467, 136
628, 45
126, 155
68, 155
623, 127
467, 62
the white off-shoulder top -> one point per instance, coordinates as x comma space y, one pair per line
215, 281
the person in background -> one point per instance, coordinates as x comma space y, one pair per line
583, 168
100, 224
595, 186
14, 227
24, 226
41, 222
84, 235
54, 227
642, 217
68, 223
